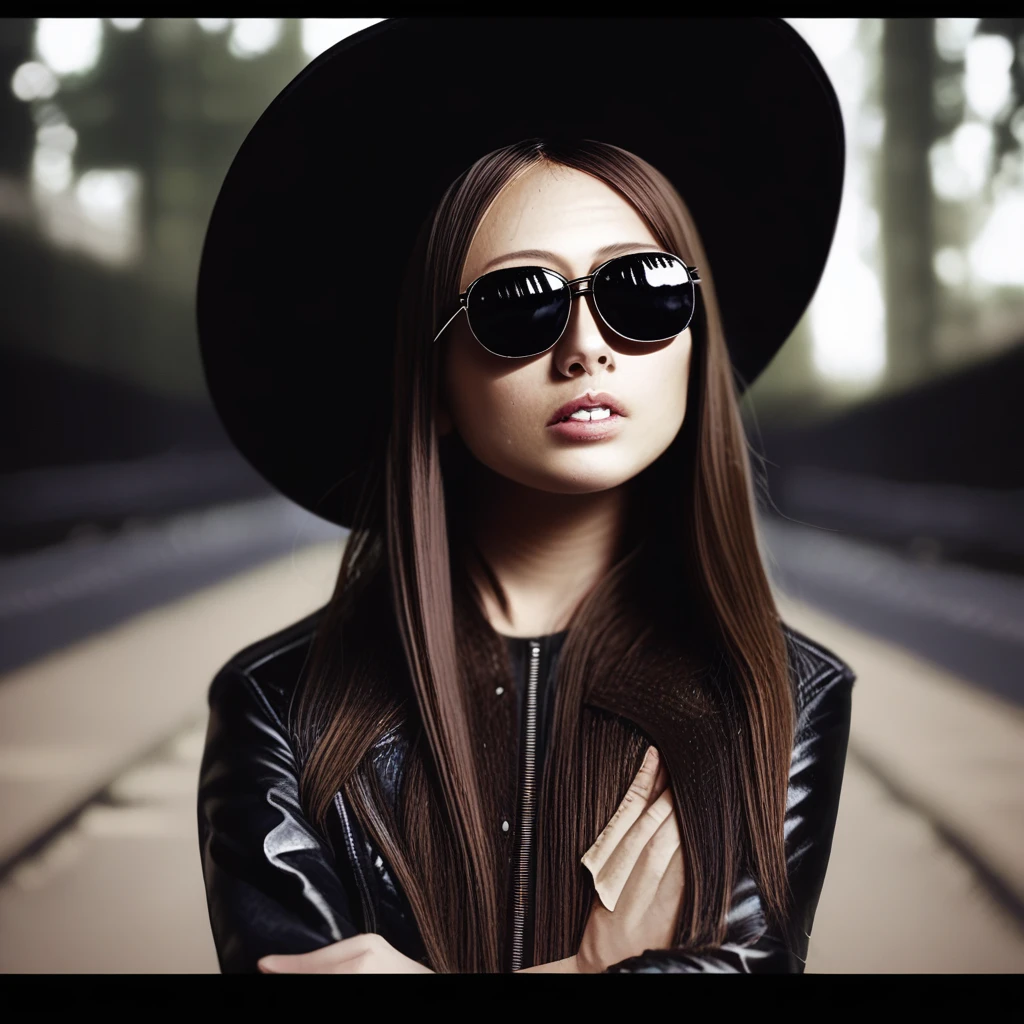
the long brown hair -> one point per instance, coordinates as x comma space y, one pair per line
680, 645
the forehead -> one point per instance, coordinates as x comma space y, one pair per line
569, 212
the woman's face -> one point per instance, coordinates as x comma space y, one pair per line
502, 407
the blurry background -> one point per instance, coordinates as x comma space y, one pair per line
138, 551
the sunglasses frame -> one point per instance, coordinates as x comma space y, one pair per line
586, 287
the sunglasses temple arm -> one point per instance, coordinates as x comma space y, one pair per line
448, 321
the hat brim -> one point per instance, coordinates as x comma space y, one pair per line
312, 229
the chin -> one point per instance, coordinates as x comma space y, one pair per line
578, 479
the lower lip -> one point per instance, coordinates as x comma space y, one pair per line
588, 430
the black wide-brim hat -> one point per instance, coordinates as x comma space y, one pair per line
317, 217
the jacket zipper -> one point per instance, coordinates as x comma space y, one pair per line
369, 916
522, 882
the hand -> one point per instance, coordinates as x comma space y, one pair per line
362, 954
637, 864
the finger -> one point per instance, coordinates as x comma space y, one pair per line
645, 789
648, 784
316, 960
670, 888
662, 915
654, 861
622, 860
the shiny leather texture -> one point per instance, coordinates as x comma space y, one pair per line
275, 885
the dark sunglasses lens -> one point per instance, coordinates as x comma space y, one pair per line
519, 311
645, 296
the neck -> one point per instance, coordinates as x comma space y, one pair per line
547, 550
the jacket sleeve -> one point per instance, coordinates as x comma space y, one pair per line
812, 803
271, 883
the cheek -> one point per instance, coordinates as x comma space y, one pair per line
668, 384
485, 408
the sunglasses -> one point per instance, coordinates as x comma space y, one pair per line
518, 312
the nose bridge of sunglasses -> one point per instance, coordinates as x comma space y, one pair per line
584, 289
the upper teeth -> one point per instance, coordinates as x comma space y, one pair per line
590, 414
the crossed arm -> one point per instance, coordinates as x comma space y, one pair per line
277, 903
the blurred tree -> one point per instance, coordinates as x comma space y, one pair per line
1007, 140
111, 105
169, 103
16, 128
908, 71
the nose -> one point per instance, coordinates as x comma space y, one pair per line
583, 340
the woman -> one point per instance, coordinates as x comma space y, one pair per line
550, 719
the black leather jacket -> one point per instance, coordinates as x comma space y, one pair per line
275, 885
